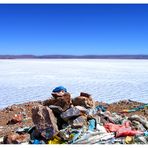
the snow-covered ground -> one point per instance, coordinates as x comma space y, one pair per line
106, 80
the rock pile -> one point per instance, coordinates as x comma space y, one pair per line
62, 120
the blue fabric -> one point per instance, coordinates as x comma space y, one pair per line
100, 107
36, 142
146, 133
59, 88
91, 126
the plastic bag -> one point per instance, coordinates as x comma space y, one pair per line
110, 127
55, 140
123, 132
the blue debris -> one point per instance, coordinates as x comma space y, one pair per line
36, 142
59, 88
91, 126
100, 107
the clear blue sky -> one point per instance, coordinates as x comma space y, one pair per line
73, 29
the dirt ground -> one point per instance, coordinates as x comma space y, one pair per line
6, 114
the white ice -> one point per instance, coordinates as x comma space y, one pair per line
107, 80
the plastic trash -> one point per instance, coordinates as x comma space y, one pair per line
123, 132
36, 142
101, 128
75, 135
140, 119
146, 133
59, 88
47, 133
55, 140
141, 140
92, 124
23, 130
129, 140
110, 127
101, 108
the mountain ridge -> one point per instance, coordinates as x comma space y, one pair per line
29, 56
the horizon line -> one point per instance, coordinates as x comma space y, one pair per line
62, 56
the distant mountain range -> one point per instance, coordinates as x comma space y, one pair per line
73, 56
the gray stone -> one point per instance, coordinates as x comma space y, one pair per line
70, 113
79, 122
56, 109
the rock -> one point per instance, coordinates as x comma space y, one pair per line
78, 122
58, 91
56, 109
82, 109
57, 94
15, 138
145, 111
16, 119
85, 94
84, 100
44, 120
64, 101
11, 108
71, 113
143, 121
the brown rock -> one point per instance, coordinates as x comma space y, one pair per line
84, 100
64, 101
15, 138
44, 119
58, 94
85, 94
16, 119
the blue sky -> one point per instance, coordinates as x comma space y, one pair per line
78, 29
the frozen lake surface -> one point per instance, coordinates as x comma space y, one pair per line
107, 80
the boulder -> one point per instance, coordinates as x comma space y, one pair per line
78, 122
71, 113
84, 100
56, 109
15, 138
45, 121
82, 109
64, 101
